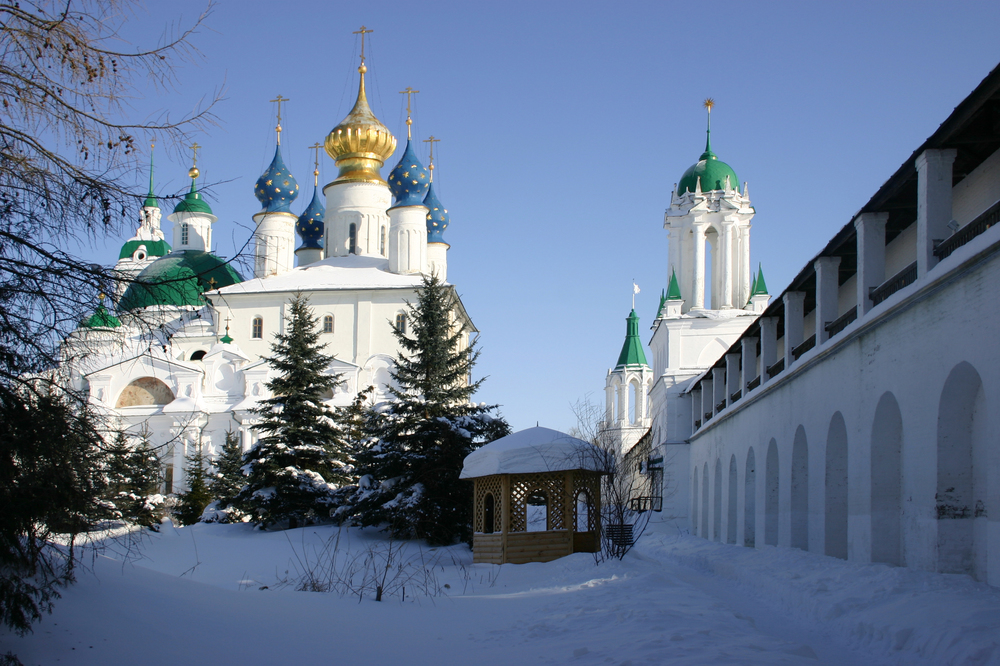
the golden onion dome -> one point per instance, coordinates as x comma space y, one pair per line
360, 144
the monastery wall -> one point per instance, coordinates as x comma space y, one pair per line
879, 444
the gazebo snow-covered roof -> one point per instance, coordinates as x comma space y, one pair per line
530, 451
537, 497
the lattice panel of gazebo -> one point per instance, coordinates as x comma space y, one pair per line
489, 485
523, 485
591, 484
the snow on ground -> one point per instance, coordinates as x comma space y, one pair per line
194, 595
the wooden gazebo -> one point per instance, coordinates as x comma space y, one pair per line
537, 497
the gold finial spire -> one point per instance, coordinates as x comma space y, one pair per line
432, 141
360, 144
193, 172
409, 92
316, 146
708, 104
362, 32
279, 99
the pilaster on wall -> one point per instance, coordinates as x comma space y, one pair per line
871, 256
719, 382
732, 377
707, 393
827, 291
749, 349
768, 345
934, 205
794, 322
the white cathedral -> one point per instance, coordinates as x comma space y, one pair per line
181, 360
857, 413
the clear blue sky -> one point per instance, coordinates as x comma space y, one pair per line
563, 128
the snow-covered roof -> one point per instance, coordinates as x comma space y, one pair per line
350, 272
530, 451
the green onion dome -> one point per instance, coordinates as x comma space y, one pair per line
712, 171
178, 279
101, 319
193, 203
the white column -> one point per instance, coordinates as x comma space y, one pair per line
719, 383
726, 257
698, 297
768, 345
749, 349
732, 376
695, 408
871, 256
707, 393
743, 295
934, 210
794, 323
827, 291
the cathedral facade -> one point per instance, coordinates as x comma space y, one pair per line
179, 360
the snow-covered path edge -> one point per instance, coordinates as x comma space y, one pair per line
897, 614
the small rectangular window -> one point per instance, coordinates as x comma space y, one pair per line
401, 323
257, 329
184, 234
328, 324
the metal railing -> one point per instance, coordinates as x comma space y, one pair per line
736, 396
903, 278
753, 383
841, 322
990, 217
719, 407
646, 503
804, 347
775, 369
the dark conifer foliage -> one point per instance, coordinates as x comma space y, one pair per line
134, 478
228, 478
300, 458
410, 468
198, 496
50, 481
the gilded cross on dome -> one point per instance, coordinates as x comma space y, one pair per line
316, 146
409, 92
279, 99
362, 32
431, 140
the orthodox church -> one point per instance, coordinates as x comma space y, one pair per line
180, 361
854, 414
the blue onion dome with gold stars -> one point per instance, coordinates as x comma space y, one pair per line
437, 217
277, 188
409, 181
310, 223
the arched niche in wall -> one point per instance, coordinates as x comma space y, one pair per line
145, 391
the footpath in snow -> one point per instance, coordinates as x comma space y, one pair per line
194, 595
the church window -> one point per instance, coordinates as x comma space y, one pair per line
185, 232
401, 322
328, 324
382, 243
168, 479
352, 239
198, 355
257, 328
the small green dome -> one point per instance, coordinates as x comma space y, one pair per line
178, 279
712, 172
193, 203
101, 319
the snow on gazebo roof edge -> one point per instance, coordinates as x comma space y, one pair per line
531, 451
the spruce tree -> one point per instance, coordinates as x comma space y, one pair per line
300, 457
198, 496
228, 479
410, 469
133, 472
